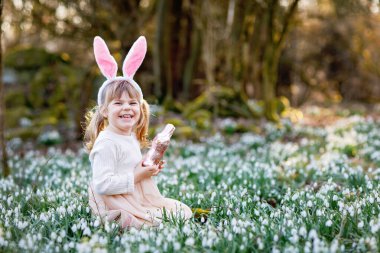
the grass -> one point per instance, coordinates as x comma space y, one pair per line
292, 189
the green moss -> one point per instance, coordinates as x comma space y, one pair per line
29, 58
14, 98
177, 122
13, 116
186, 132
202, 119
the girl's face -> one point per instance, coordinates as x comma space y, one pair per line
123, 114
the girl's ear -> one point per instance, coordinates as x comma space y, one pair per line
103, 111
134, 57
104, 59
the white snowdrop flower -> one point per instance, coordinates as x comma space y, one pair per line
341, 206
21, 225
335, 198
204, 242
53, 235
309, 203
9, 200
328, 223
62, 210
189, 241
361, 224
260, 244
87, 231
229, 237
351, 210
243, 192
375, 228
295, 196
87, 209
177, 246
303, 232
275, 238
22, 244
43, 217
294, 239
213, 194
313, 234
303, 213
143, 248
74, 228
371, 199
186, 230
334, 246
319, 212
62, 233
96, 223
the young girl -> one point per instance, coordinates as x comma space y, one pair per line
122, 189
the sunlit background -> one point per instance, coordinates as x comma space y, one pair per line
276, 105
206, 60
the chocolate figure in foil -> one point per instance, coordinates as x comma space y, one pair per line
159, 145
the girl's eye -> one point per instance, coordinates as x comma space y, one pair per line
133, 103
117, 103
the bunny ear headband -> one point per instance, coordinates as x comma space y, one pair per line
108, 65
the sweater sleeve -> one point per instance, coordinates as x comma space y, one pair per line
105, 180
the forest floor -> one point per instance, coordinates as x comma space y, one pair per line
310, 186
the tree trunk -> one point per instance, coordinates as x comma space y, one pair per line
251, 81
269, 83
163, 88
85, 97
4, 161
273, 45
179, 46
190, 62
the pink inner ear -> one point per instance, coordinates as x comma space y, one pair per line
135, 57
104, 59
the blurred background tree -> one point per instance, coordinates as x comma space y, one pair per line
206, 59
4, 155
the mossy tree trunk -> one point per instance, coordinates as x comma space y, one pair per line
272, 50
4, 160
192, 48
190, 64
176, 49
162, 71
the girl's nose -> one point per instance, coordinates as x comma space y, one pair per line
126, 106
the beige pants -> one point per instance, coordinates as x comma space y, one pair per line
145, 205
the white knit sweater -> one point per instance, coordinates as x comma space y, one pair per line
113, 159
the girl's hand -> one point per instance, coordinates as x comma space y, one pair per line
161, 165
143, 172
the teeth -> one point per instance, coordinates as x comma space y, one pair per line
126, 116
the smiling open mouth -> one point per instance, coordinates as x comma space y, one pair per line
126, 116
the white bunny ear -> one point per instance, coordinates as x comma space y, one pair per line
104, 59
134, 57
